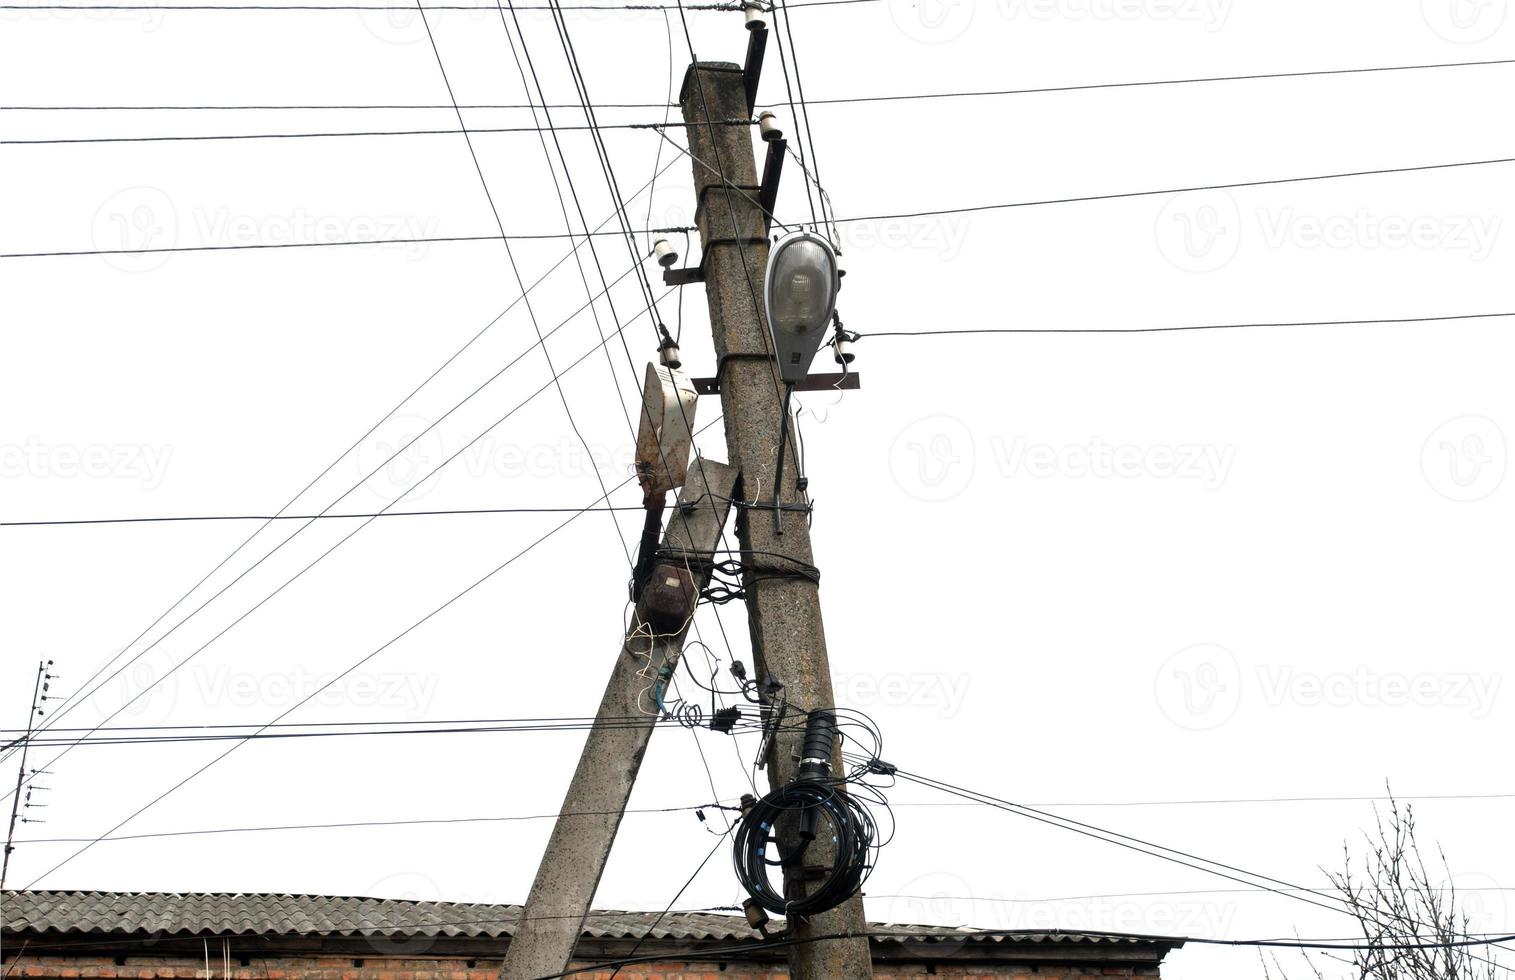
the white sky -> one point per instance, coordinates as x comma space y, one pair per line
1292, 580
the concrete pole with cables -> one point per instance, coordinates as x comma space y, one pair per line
549, 929
784, 612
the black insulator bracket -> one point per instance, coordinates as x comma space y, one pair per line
752, 70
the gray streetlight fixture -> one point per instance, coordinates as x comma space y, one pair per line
800, 292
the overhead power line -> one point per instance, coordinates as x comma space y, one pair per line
1235, 185
428, 821
308, 8
358, 824
546, 236
1321, 898
260, 734
1152, 83
841, 100
1121, 195
966, 331
305, 568
970, 331
72, 700
360, 661
465, 130
317, 517
305, 700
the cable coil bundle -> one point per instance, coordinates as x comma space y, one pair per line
813, 806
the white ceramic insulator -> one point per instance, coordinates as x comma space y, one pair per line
768, 126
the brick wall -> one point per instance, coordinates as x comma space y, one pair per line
394, 968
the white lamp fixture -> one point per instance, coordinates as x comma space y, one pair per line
800, 293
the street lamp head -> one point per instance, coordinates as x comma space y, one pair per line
800, 293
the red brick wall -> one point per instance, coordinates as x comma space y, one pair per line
387, 968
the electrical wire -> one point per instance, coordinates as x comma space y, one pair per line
673, 901
1124, 195
588, 725
328, 683
586, 104
1147, 83
462, 129
72, 700
809, 131
305, 700
726, 7
844, 100
1317, 897
968, 209
340, 542
520, 280
443, 239
316, 517
361, 824
357, 723
1186, 328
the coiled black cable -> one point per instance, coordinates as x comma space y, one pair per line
813, 807
850, 829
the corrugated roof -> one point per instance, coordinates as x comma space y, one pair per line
238, 914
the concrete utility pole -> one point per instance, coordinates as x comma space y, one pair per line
784, 613
591, 814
